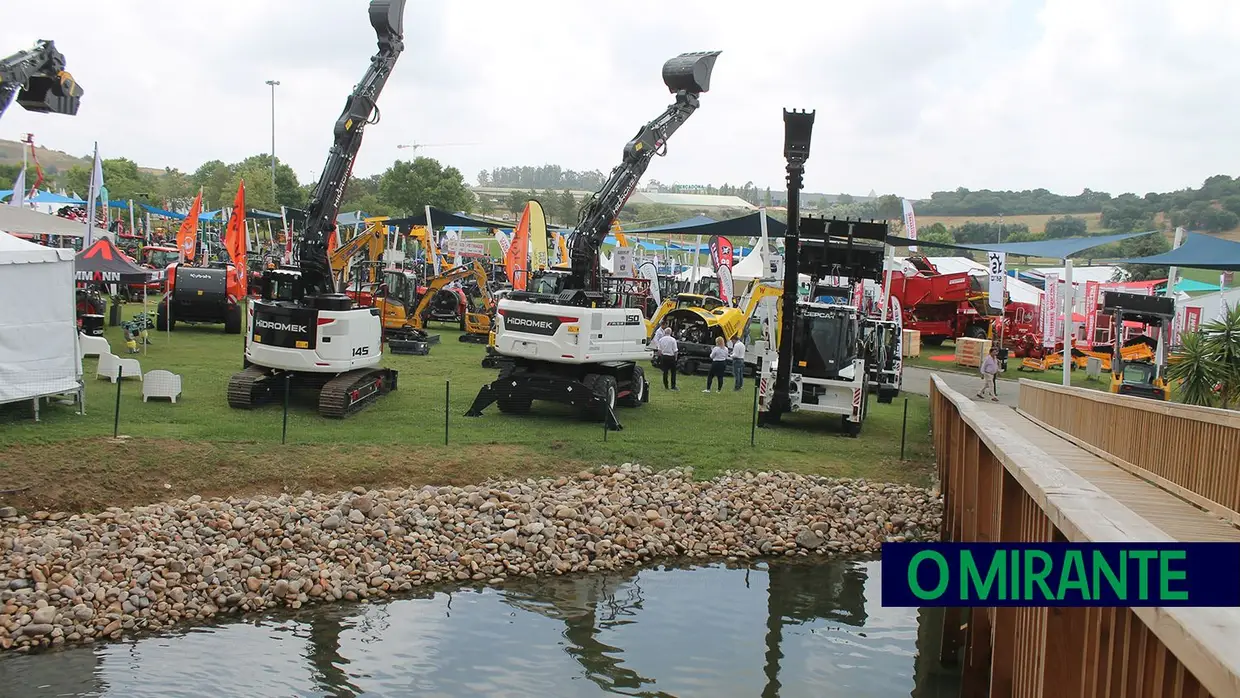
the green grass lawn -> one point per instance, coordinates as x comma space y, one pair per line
201, 446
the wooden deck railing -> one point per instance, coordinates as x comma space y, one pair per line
997, 486
1191, 451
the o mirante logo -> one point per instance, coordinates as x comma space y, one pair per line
1061, 574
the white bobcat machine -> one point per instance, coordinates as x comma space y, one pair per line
581, 346
819, 364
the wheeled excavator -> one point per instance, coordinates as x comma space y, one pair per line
39, 79
579, 346
303, 332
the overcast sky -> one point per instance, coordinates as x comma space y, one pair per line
911, 97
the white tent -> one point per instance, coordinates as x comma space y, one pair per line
19, 220
750, 267
39, 353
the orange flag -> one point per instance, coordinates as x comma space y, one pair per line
235, 239
187, 236
332, 242
516, 263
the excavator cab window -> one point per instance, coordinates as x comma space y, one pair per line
282, 286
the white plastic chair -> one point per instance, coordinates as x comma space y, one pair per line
93, 346
160, 383
110, 363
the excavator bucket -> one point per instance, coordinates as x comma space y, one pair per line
388, 19
51, 95
798, 126
690, 71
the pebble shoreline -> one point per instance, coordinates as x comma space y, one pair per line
67, 579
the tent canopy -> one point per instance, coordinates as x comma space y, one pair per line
746, 226
1052, 249
38, 328
20, 220
47, 197
103, 261
442, 219
1197, 251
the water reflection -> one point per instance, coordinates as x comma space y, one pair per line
783, 630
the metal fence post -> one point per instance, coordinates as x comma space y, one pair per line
284, 430
447, 398
904, 429
116, 416
753, 427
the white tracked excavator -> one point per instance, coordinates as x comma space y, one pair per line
577, 345
303, 330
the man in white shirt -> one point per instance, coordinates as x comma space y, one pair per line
667, 349
662, 329
738, 362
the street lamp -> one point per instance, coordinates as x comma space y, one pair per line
273, 84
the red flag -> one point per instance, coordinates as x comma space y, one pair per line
235, 240
187, 235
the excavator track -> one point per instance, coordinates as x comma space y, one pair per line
249, 388
350, 392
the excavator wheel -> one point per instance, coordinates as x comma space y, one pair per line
637, 392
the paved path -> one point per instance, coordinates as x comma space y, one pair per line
917, 380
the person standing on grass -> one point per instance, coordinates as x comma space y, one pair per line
718, 364
990, 369
738, 362
663, 328
667, 354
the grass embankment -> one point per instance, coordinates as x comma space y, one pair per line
1035, 222
201, 446
1013, 371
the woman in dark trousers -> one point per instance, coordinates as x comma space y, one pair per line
718, 364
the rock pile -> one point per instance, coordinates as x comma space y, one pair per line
77, 578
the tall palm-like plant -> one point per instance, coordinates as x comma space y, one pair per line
1196, 370
1222, 341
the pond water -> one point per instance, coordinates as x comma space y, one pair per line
717, 630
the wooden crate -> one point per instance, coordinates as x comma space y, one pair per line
911, 341
970, 352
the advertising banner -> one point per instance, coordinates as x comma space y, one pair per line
1050, 310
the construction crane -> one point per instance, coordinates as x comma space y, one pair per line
577, 346
304, 333
39, 79
416, 146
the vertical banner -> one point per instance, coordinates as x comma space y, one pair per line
1091, 311
721, 261
650, 272
515, 261
1050, 310
910, 223
504, 242
997, 266
1192, 318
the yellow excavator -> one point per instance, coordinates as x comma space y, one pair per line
1141, 377
364, 249
405, 309
697, 320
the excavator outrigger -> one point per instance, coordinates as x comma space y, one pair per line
573, 346
304, 333
39, 79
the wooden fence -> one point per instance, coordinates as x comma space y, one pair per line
997, 486
1193, 452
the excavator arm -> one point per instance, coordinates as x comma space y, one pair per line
435, 284
38, 77
386, 16
373, 240
687, 76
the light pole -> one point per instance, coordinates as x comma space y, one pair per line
273, 84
